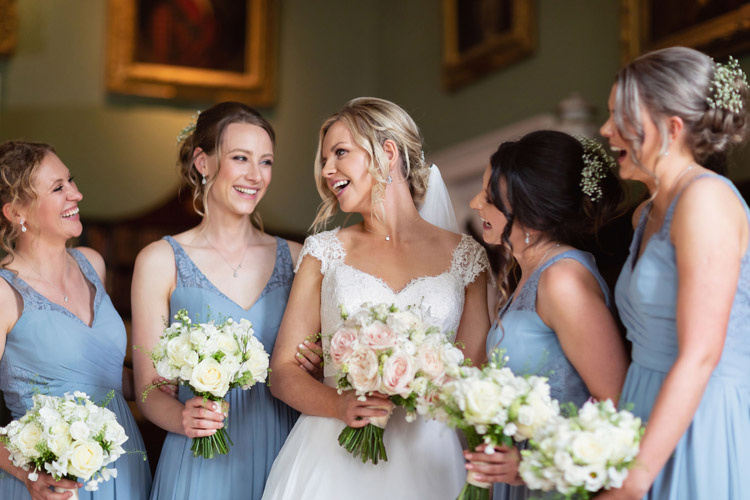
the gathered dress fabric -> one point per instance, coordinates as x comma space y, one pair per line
424, 457
51, 351
711, 459
257, 423
533, 348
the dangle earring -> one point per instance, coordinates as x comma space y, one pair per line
23, 228
388, 179
203, 181
526, 240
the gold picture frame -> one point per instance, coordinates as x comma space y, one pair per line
156, 50
8, 27
481, 36
718, 28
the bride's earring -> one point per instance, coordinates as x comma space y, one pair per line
526, 240
23, 228
388, 179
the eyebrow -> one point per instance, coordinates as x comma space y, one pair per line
247, 152
333, 148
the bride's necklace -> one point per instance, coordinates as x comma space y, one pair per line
62, 290
394, 233
235, 270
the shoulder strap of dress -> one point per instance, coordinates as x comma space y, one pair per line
86, 268
326, 247
469, 260
585, 259
181, 259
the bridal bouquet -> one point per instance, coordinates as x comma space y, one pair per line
493, 406
398, 353
585, 453
210, 359
68, 437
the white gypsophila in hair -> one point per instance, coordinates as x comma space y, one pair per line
189, 128
725, 93
596, 163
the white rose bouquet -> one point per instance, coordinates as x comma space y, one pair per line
493, 406
397, 353
68, 437
583, 454
210, 359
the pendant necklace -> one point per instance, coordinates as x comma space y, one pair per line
388, 236
235, 270
62, 290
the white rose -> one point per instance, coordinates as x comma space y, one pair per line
58, 437
85, 458
227, 343
257, 365
115, 433
178, 350
590, 448
198, 337
398, 372
80, 431
211, 377
482, 402
164, 369
27, 439
363, 369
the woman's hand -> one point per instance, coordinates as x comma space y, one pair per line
41, 488
167, 386
635, 486
499, 467
310, 358
201, 417
356, 413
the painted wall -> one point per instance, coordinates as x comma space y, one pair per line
122, 149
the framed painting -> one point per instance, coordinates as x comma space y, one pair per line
8, 26
481, 36
193, 49
717, 27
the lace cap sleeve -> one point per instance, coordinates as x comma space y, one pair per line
325, 247
469, 260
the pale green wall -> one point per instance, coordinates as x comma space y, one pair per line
122, 149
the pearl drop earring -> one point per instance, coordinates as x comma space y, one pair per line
526, 240
23, 228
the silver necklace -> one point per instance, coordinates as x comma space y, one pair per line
388, 236
62, 290
542, 260
235, 270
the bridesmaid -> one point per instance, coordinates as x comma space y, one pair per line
224, 267
58, 329
537, 204
684, 293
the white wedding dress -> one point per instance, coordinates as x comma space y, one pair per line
425, 460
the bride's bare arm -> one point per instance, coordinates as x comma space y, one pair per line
293, 384
475, 323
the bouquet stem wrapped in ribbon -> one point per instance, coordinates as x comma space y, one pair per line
398, 353
493, 406
210, 359
67, 437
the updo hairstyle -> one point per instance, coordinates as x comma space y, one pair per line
207, 135
541, 174
372, 121
677, 81
19, 161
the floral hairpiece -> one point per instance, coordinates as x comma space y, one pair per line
596, 163
725, 93
189, 128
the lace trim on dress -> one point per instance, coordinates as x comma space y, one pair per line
469, 260
325, 247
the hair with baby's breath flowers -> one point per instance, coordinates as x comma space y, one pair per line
725, 91
597, 163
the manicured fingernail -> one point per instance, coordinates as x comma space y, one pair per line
299, 355
469, 466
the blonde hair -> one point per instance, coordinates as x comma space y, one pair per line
372, 121
19, 161
207, 135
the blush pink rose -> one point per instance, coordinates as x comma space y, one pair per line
363, 370
378, 336
431, 362
342, 343
398, 373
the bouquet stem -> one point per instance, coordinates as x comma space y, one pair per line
473, 489
65, 490
365, 442
208, 446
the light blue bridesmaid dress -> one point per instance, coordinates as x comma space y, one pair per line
534, 349
52, 351
711, 460
258, 423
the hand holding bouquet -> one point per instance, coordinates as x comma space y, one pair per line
585, 453
211, 359
68, 437
396, 353
493, 406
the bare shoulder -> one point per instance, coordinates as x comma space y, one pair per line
96, 260
156, 257
710, 195
565, 281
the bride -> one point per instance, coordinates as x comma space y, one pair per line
370, 162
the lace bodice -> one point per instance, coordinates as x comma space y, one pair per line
345, 285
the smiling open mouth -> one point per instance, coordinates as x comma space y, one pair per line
250, 191
69, 213
339, 186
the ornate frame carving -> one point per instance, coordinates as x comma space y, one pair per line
255, 85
